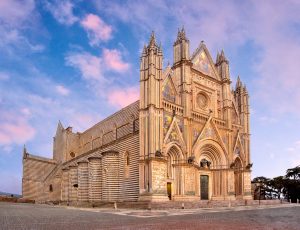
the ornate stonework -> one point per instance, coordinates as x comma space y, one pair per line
187, 138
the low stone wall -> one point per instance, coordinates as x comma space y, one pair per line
15, 200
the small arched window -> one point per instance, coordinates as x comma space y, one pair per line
50, 188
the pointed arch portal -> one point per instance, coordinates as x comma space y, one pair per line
174, 155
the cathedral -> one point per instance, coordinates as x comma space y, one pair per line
187, 138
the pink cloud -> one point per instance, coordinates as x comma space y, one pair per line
62, 90
120, 98
113, 60
84, 121
96, 28
93, 67
15, 12
89, 65
14, 129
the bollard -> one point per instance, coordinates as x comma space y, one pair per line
182, 206
229, 204
115, 205
297, 201
290, 201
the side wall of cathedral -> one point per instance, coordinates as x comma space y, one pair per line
98, 165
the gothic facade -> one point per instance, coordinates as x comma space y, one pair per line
187, 138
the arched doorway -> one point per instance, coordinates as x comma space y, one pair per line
212, 162
174, 155
238, 177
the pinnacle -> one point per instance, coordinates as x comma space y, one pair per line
152, 39
238, 82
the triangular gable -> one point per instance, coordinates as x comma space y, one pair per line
166, 72
210, 131
238, 148
203, 62
174, 134
168, 89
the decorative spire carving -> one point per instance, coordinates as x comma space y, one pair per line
238, 83
152, 42
222, 57
181, 36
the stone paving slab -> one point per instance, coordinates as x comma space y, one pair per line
29, 216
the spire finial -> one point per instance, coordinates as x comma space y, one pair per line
152, 39
238, 82
24, 151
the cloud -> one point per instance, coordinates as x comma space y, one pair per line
62, 90
81, 121
89, 65
17, 18
233, 26
96, 29
120, 98
14, 12
93, 67
113, 60
62, 11
15, 129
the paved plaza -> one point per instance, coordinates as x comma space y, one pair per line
30, 216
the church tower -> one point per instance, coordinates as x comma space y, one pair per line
182, 69
151, 123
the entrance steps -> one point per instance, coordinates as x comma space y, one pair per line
177, 204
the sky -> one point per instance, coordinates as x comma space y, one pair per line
78, 62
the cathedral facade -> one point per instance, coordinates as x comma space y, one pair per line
187, 138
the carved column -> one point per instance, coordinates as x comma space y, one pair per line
95, 179
83, 181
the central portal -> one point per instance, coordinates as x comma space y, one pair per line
204, 187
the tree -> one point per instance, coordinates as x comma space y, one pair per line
293, 172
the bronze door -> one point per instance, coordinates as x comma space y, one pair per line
204, 187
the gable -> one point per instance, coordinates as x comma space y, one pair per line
203, 62
169, 90
174, 134
210, 131
238, 149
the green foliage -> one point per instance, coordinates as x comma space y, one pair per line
287, 186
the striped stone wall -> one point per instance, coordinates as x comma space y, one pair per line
35, 171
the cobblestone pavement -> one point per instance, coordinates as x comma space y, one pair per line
29, 216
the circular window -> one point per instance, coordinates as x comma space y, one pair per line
202, 100
72, 154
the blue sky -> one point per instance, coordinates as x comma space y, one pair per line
59, 60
